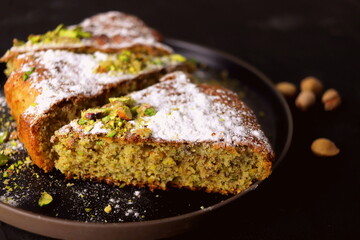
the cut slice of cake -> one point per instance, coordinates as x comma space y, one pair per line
106, 32
174, 133
47, 89
55, 75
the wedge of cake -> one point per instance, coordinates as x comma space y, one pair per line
106, 32
174, 133
48, 86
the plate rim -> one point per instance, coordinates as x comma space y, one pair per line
26, 215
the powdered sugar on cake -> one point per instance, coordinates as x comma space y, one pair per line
110, 30
115, 23
123, 30
69, 75
186, 113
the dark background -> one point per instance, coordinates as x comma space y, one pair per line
307, 197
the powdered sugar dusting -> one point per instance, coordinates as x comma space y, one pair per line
115, 23
68, 75
109, 30
98, 128
186, 113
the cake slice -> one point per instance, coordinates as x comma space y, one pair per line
107, 32
174, 133
47, 89
55, 75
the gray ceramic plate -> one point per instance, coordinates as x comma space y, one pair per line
78, 206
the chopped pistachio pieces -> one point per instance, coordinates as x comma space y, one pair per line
178, 58
45, 199
68, 33
112, 133
117, 116
34, 38
158, 61
3, 160
108, 209
27, 74
124, 113
150, 111
128, 62
143, 132
82, 121
105, 119
59, 35
4, 136
88, 209
17, 42
88, 128
126, 100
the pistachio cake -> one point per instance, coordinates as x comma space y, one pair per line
174, 133
106, 32
48, 85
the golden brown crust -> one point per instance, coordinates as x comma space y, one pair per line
19, 94
29, 136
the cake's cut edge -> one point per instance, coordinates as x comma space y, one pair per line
225, 156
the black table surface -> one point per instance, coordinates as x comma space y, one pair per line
307, 197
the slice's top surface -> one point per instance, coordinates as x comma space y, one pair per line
180, 111
107, 32
57, 75
118, 24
